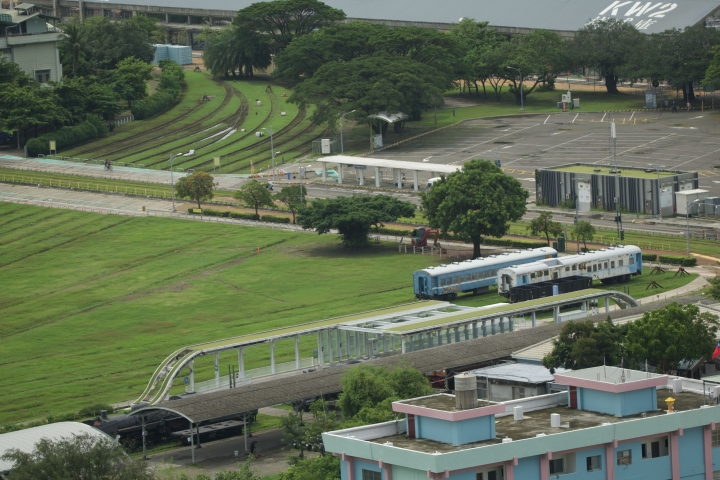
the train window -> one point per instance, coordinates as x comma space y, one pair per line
632, 261
532, 275
455, 280
594, 268
546, 273
605, 264
574, 267
620, 263
612, 264
567, 268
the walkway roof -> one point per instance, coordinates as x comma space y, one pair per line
382, 163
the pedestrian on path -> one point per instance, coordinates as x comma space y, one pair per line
674, 109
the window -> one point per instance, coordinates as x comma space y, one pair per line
567, 269
42, 76
557, 466
455, 280
655, 448
6, 51
546, 273
632, 261
518, 392
593, 463
532, 276
605, 264
370, 475
482, 391
716, 437
624, 457
594, 268
620, 263
574, 267
612, 264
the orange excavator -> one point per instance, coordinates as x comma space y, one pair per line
420, 236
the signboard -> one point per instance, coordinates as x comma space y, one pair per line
360, 167
52, 146
377, 141
325, 146
186, 380
641, 15
650, 98
216, 161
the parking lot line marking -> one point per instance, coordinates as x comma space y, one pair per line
696, 158
548, 118
573, 120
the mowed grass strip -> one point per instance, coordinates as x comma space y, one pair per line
92, 304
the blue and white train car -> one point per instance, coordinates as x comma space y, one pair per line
609, 265
444, 282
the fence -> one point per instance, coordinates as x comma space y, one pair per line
124, 120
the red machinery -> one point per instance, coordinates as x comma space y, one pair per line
420, 236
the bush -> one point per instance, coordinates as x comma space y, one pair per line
244, 216
91, 128
676, 260
392, 231
649, 257
154, 104
272, 219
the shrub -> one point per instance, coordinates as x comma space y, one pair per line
272, 219
650, 257
676, 260
392, 231
154, 104
94, 410
244, 216
91, 128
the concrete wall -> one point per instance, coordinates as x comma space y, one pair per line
456, 433
618, 404
36, 55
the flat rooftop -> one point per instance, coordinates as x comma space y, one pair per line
610, 375
538, 422
605, 170
445, 403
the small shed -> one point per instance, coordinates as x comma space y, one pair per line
685, 198
380, 122
510, 381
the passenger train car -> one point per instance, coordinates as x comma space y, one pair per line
609, 265
444, 282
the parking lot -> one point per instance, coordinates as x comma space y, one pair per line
687, 141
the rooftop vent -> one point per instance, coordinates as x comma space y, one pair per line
442, 265
465, 391
492, 256
555, 420
677, 385
506, 440
505, 253
518, 413
456, 263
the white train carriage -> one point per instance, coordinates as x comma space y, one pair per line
609, 265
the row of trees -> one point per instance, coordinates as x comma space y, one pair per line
544, 225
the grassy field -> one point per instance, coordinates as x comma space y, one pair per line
93, 303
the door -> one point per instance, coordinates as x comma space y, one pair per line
421, 285
573, 397
411, 425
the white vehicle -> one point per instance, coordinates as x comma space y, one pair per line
433, 180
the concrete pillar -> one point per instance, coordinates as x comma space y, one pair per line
324, 171
81, 9
583, 306
167, 18
321, 360
56, 7
484, 328
415, 180
607, 304
402, 345
457, 334
192, 375
533, 318
297, 353
361, 177
448, 336
475, 329
241, 363
377, 177
192, 445
330, 346
395, 176
341, 169
210, 20
511, 324
431, 339
556, 314
466, 332
502, 324
189, 20
217, 369
272, 357
358, 348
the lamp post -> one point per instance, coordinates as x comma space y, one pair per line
272, 150
687, 223
522, 104
172, 180
342, 147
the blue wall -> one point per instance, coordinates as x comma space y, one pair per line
581, 464
456, 433
528, 469
618, 404
360, 465
692, 458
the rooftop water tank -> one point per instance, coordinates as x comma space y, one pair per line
465, 391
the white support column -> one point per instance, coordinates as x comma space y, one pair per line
192, 445
272, 357
192, 375
297, 353
402, 345
395, 177
341, 170
241, 363
556, 314
607, 305
358, 348
466, 332
377, 177
457, 334
321, 360
324, 171
416, 181
330, 346
533, 318
217, 370
361, 177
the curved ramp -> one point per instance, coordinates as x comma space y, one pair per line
623, 300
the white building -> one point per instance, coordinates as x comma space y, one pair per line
512, 381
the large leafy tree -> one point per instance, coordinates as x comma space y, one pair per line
583, 232
254, 194
543, 224
682, 70
83, 96
669, 335
198, 186
27, 106
477, 201
353, 216
293, 198
80, 456
370, 84
131, 76
713, 290
477, 41
235, 49
283, 20
321, 468
712, 74
606, 46
584, 345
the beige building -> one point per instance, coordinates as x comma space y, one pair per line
27, 39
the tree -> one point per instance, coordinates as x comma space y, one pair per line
198, 186
293, 198
83, 96
254, 194
584, 345
606, 46
477, 41
353, 216
80, 456
321, 468
544, 224
244, 472
23, 107
131, 76
712, 74
235, 49
714, 289
477, 201
669, 335
583, 232
284, 20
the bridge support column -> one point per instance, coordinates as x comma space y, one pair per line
416, 182
448, 336
457, 334
340, 171
217, 370
466, 332
358, 347
297, 353
361, 177
272, 357
484, 328
241, 363
502, 324
475, 329
402, 345
192, 376
511, 324
607, 305
430, 339
584, 306
330, 346
321, 360
395, 177
192, 445
324, 171
556, 314
377, 177
533, 318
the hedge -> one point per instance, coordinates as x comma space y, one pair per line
228, 214
169, 87
272, 219
93, 127
650, 257
675, 260
244, 216
392, 231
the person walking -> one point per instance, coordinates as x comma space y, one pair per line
674, 108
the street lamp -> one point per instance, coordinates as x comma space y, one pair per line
342, 147
687, 223
272, 150
522, 104
172, 180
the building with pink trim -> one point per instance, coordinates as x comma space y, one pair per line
611, 423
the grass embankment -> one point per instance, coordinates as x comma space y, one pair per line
97, 301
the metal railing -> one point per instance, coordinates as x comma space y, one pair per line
249, 376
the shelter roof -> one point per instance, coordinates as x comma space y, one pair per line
389, 117
25, 440
517, 372
383, 163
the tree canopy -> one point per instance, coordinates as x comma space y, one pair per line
583, 232
544, 224
254, 194
583, 344
477, 201
353, 216
197, 186
235, 49
293, 197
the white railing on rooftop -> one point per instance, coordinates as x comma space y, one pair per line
250, 375
539, 402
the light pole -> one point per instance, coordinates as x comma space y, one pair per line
272, 151
342, 147
522, 104
687, 223
172, 180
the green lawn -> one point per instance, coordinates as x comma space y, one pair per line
95, 302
